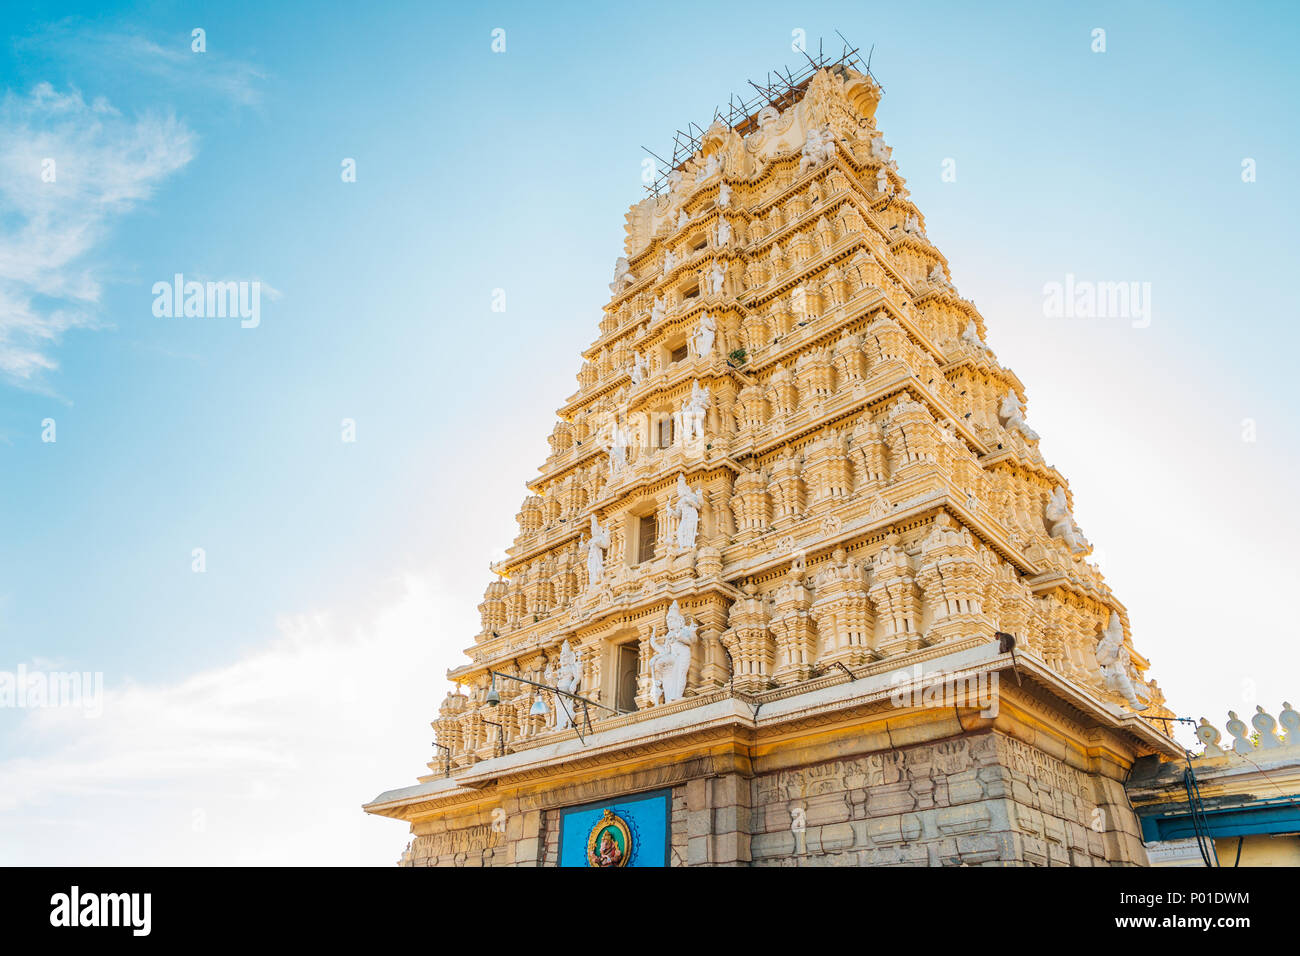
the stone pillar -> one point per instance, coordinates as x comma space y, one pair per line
717, 821
524, 834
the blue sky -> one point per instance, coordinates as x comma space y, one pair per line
342, 578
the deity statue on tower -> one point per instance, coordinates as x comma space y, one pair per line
702, 340
693, 412
619, 440
639, 368
568, 678
687, 512
671, 661
596, 546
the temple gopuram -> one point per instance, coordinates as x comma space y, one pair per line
795, 585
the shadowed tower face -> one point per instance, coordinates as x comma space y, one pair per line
792, 460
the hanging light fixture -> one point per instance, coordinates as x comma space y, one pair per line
493, 698
539, 708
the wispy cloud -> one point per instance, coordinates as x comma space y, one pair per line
68, 170
321, 718
172, 67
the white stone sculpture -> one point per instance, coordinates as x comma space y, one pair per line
717, 278
702, 340
971, 336
724, 196
619, 441
818, 147
596, 546
623, 276
674, 181
912, 225
687, 512
670, 261
1265, 726
1116, 661
683, 220
568, 678
723, 234
1062, 523
693, 412
712, 166
670, 663
812, 150
1241, 744
828, 144
657, 310
1013, 415
639, 368
938, 278
879, 150
882, 180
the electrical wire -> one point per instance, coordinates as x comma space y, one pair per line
1200, 824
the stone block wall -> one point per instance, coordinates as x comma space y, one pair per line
986, 800
977, 800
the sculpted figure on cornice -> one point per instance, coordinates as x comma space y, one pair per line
939, 279
623, 276
818, 148
1116, 663
1061, 522
971, 336
879, 151
1012, 414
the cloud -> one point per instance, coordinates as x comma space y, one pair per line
102, 165
173, 67
263, 761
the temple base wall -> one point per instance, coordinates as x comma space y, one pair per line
980, 799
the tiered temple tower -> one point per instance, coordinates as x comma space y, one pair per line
794, 489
